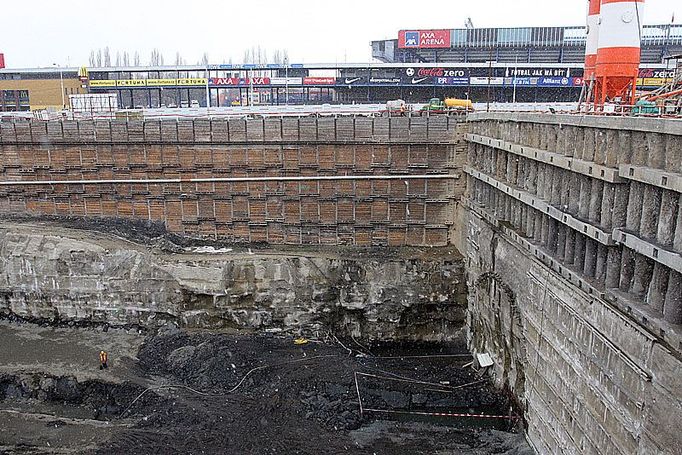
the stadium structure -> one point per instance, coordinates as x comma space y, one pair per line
542, 64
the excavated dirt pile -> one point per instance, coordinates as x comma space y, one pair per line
265, 394
208, 393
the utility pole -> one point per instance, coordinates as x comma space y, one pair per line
61, 83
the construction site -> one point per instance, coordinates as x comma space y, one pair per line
429, 281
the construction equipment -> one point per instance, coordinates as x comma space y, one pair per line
666, 100
449, 106
396, 108
611, 79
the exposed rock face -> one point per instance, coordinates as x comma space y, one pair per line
64, 275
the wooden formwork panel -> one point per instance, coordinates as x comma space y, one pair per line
135, 131
186, 155
415, 235
292, 212
418, 155
326, 129
363, 236
202, 130
255, 157
328, 235
240, 208
437, 189
238, 157
436, 236
397, 236
363, 212
273, 209
221, 157
380, 188
190, 210
344, 155
273, 129
223, 211
327, 212
273, 157
310, 235
380, 236
397, 212
381, 155
237, 129
259, 234
72, 156
292, 234
290, 129
346, 188
275, 233
308, 129
109, 208
207, 230
399, 157
152, 131
241, 231
327, 188
345, 129
416, 187
363, 188
416, 212
309, 188
203, 156
157, 210
93, 207
346, 234
380, 210
254, 130
327, 155
437, 212
256, 189
124, 208
185, 131
219, 131
292, 189
141, 210
206, 210
309, 210
309, 156
225, 232
363, 157
291, 158
438, 157
345, 211
257, 211
76, 206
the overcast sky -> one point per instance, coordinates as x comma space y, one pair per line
41, 32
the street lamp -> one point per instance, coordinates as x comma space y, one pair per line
286, 81
61, 83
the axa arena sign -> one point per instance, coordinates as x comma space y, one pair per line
424, 39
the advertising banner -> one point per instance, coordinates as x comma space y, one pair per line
424, 39
385, 80
131, 83
538, 72
2, 61
460, 81
436, 72
650, 73
285, 81
196, 81
161, 82
319, 80
237, 81
103, 83
414, 80
358, 80
554, 82
487, 80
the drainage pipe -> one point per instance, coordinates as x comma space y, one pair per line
231, 179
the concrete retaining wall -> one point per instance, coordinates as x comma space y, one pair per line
574, 275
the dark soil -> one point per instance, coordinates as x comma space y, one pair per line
302, 399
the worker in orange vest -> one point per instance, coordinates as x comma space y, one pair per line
103, 359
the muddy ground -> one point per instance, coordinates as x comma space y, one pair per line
179, 392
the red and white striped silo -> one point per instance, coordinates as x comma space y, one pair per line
618, 52
593, 9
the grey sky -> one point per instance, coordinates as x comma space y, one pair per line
41, 32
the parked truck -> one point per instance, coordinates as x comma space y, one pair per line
449, 106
